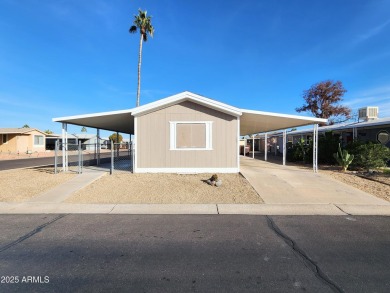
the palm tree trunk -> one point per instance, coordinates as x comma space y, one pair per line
139, 70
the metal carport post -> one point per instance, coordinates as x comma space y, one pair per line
284, 146
64, 147
315, 148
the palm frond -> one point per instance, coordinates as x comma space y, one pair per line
133, 29
143, 23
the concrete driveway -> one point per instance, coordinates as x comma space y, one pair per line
278, 184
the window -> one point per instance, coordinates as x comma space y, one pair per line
39, 140
191, 135
4, 138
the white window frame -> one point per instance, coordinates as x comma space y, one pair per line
43, 140
6, 138
209, 135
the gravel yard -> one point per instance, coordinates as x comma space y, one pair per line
379, 185
23, 184
166, 188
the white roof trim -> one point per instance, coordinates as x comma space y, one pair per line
60, 119
313, 119
186, 96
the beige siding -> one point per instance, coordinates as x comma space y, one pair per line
10, 145
36, 148
153, 139
22, 143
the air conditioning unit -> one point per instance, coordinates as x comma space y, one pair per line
368, 113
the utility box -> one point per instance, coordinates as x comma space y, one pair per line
368, 113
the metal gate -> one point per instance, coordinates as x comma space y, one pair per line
122, 157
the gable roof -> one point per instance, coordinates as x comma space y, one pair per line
18, 130
186, 96
250, 121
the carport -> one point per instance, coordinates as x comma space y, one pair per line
250, 122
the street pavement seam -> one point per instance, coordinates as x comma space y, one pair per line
31, 233
306, 259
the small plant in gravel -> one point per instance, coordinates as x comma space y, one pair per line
343, 158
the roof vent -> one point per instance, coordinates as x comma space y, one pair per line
368, 113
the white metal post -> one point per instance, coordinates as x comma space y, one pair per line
238, 144
265, 146
64, 147
315, 148
284, 147
112, 158
354, 133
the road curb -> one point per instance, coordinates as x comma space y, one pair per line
197, 209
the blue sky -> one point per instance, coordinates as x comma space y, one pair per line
61, 58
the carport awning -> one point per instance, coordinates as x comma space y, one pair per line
250, 121
120, 121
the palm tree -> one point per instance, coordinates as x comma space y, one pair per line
144, 24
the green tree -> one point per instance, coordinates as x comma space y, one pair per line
48, 131
115, 139
83, 129
143, 23
26, 126
322, 101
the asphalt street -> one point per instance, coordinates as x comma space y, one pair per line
44, 161
194, 253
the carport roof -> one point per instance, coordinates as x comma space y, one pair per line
250, 121
258, 121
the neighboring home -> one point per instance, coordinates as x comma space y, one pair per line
368, 128
88, 141
187, 132
22, 140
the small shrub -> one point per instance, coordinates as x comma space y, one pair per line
300, 152
372, 156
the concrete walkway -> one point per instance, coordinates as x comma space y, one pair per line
63, 191
278, 184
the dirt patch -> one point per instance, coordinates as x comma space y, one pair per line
166, 189
23, 184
